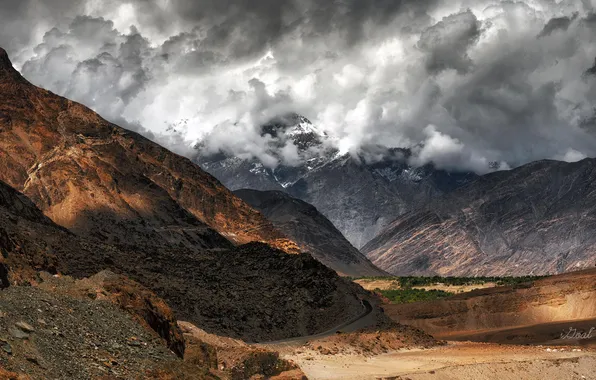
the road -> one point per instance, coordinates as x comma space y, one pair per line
365, 319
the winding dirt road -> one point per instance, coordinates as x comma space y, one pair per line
365, 319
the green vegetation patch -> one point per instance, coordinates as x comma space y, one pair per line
414, 281
413, 295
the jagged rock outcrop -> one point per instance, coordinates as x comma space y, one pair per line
536, 219
313, 232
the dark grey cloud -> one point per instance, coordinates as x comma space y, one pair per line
592, 70
245, 28
557, 23
22, 20
462, 83
447, 42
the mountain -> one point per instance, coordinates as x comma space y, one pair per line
360, 194
251, 292
80, 195
312, 232
536, 219
89, 175
361, 197
236, 173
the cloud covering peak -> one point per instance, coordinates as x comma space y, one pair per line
463, 83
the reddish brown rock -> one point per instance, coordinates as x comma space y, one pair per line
7, 375
90, 176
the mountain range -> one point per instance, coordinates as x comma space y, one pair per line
359, 193
407, 220
536, 219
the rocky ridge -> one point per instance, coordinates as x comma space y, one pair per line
311, 231
533, 220
90, 176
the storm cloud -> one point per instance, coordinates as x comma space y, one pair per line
465, 84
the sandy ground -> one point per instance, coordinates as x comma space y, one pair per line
393, 284
495, 334
547, 334
457, 360
378, 284
457, 288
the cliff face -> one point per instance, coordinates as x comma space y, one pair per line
313, 232
100, 180
536, 219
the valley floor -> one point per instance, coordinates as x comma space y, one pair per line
456, 360
544, 330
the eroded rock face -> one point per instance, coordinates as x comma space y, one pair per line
313, 232
100, 180
536, 219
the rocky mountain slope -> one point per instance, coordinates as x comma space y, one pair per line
110, 327
360, 194
311, 231
30, 241
536, 219
134, 208
362, 197
250, 292
91, 176
55, 336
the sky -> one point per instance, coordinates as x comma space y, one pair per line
463, 83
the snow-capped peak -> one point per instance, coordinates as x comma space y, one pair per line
304, 127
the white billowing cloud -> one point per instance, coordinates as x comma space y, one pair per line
464, 83
451, 154
572, 156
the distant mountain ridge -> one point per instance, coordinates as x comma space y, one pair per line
360, 194
311, 231
536, 219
